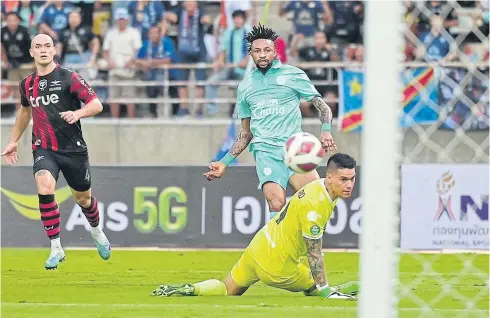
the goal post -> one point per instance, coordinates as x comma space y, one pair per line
424, 245
379, 159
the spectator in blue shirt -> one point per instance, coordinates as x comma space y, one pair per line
155, 51
306, 19
233, 50
436, 46
347, 20
55, 18
191, 48
145, 14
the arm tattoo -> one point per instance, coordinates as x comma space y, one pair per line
315, 259
323, 110
241, 142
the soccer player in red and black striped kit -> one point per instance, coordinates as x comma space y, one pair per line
52, 96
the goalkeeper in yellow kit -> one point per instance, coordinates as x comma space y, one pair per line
287, 252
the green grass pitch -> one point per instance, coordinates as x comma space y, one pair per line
86, 286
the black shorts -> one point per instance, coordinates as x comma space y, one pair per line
75, 167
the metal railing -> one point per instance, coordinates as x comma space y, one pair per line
233, 84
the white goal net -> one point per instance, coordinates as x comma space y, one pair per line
425, 240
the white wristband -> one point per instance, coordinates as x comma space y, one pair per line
320, 288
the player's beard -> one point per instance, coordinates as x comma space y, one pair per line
264, 69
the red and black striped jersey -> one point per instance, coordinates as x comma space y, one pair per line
59, 91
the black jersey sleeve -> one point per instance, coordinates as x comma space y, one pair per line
23, 96
81, 89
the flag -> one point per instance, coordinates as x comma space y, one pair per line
227, 143
351, 87
419, 99
420, 96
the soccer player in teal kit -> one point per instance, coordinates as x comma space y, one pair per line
268, 106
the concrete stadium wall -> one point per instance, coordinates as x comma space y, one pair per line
167, 142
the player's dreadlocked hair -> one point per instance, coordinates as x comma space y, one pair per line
260, 32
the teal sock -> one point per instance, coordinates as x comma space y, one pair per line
211, 287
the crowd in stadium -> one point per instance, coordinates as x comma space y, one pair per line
129, 40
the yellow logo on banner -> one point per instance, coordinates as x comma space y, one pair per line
28, 205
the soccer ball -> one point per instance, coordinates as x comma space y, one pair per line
303, 152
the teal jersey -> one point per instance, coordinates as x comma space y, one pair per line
271, 101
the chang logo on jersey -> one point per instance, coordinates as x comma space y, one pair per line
44, 100
268, 108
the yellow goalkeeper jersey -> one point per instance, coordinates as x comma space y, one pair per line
279, 246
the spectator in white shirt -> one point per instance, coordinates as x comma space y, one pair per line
234, 5
121, 46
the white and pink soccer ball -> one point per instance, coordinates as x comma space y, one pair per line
303, 152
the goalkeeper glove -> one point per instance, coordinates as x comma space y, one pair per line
349, 288
332, 293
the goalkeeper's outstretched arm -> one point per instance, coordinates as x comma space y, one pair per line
315, 259
317, 267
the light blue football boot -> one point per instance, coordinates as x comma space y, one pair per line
57, 256
102, 243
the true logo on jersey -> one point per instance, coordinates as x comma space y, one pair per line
43, 84
44, 100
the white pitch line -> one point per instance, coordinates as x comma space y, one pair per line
192, 271
224, 249
337, 308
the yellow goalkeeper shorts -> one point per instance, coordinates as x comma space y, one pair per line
247, 272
